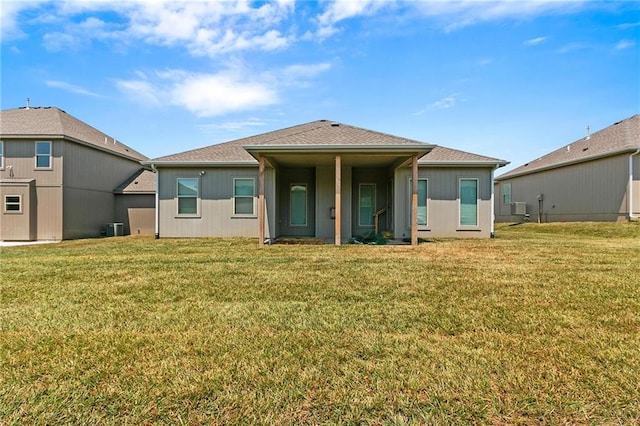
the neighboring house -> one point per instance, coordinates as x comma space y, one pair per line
58, 176
596, 178
325, 180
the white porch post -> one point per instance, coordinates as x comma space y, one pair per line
414, 201
338, 215
261, 201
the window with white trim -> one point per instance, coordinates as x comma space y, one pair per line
506, 193
43, 155
188, 193
244, 192
468, 202
366, 204
13, 204
1, 155
422, 201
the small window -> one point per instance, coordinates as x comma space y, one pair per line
468, 202
43, 155
506, 193
188, 196
422, 201
1, 155
244, 191
13, 204
367, 204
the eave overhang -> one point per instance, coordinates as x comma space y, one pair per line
509, 175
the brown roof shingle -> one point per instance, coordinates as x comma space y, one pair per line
53, 122
318, 133
619, 137
141, 182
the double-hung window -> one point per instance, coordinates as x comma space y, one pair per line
1, 155
422, 201
12, 204
244, 192
188, 193
43, 155
468, 202
506, 193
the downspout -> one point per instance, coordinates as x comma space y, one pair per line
493, 212
631, 216
157, 215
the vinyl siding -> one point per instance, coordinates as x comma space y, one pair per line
589, 191
443, 207
90, 176
215, 218
326, 198
137, 213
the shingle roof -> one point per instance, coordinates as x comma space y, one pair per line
142, 182
617, 138
53, 122
318, 133
442, 155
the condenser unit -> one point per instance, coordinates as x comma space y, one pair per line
519, 208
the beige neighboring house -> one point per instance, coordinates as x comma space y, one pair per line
62, 179
596, 178
325, 180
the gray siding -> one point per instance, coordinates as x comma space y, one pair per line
589, 191
18, 225
90, 176
325, 195
216, 218
137, 213
443, 208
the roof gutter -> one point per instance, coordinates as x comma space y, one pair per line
155, 164
157, 215
256, 150
630, 197
508, 175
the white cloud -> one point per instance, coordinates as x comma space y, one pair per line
625, 44
535, 41
71, 88
216, 94
447, 102
339, 10
454, 15
205, 95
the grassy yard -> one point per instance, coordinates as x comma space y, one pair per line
539, 325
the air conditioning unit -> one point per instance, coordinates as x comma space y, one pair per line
519, 208
115, 229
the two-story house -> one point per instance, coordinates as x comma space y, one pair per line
61, 178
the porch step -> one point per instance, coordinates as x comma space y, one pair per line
300, 240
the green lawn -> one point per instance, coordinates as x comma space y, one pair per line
539, 325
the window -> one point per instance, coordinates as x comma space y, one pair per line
244, 190
43, 155
469, 202
367, 203
298, 204
506, 193
188, 196
422, 201
1, 155
13, 204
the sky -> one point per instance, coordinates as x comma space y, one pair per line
512, 80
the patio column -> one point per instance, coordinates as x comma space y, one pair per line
261, 201
414, 201
338, 221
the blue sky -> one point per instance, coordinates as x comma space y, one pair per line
511, 79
